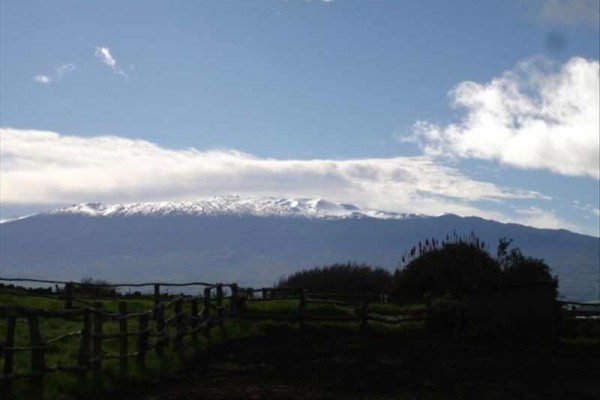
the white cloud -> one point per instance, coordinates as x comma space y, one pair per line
43, 79
47, 167
104, 55
535, 116
587, 208
571, 12
59, 72
535, 216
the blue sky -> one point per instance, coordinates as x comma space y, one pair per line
389, 104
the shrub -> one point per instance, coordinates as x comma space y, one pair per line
348, 279
95, 287
453, 269
462, 266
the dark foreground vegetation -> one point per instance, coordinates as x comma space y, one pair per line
260, 358
340, 364
455, 322
350, 279
455, 267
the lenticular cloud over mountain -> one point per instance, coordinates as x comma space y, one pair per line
254, 241
50, 168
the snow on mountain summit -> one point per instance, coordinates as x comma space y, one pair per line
232, 206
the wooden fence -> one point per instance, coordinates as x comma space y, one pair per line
205, 311
159, 328
360, 309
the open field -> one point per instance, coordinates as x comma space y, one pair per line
340, 364
62, 337
265, 351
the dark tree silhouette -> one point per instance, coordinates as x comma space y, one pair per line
520, 269
95, 287
462, 265
349, 279
453, 269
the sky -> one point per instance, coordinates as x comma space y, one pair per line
475, 107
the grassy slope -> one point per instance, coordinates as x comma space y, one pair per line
578, 335
59, 385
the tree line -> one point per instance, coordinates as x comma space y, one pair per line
453, 267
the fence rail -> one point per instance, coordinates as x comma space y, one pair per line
110, 285
91, 352
152, 330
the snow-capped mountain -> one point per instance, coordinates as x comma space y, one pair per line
256, 241
232, 206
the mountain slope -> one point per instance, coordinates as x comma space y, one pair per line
255, 242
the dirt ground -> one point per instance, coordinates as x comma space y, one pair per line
347, 365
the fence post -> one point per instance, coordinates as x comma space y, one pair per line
97, 340
163, 337
265, 293
38, 364
219, 298
68, 295
178, 341
428, 315
206, 310
142, 342
194, 321
458, 324
123, 338
554, 327
83, 358
364, 315
234, 299
220, 309
156, 297
301, 308
11, 323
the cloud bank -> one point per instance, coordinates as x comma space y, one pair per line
48, 168
536, 116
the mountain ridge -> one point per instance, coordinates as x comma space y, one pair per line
229, 205
256, 247
247, 206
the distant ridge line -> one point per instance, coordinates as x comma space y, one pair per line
233, 205
114, 284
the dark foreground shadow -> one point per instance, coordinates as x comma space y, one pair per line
338, 364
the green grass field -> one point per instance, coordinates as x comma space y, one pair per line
61, 385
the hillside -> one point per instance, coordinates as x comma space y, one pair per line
256, 242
